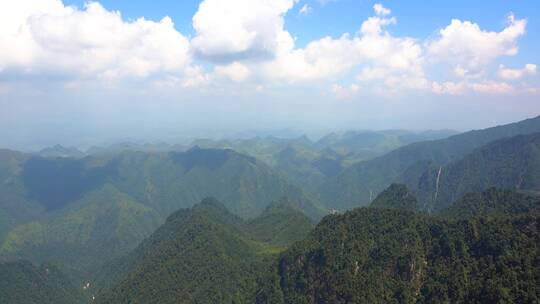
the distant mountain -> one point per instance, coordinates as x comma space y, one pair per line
21, 282
104, 224
363, 145
176, 180
308, 164
15, 206
361, 182
61, 151
511, 163
133, 147
81, 213
373, 255
204, 255
397, 196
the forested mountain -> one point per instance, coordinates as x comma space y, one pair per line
23, 283
104, 224
492, 202
364, 145
281, 224
204, 255
361, 182
373, 255
397, 196
81, 213
95, 217
308, 164
512, 163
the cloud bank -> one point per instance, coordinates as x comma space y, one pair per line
246, 43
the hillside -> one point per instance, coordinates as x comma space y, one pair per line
372, 255
359, 184
511, 163
493, 202
203, 255
281, 224
364, 145
104, 224
308, 164
396, 196
82, 213
21, 282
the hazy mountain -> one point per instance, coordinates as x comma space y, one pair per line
61, 151
363, 145
21, 282
359, 184
15, 206
130, 146
104, 224
81, 213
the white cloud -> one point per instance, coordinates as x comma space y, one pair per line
492, 87
241, 29
305, 10
400, 59
515, 74
467, 45
44, 36
381, 10
246, 41
449, 88
235, 71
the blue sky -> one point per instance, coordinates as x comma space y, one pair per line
84, 73
416, 18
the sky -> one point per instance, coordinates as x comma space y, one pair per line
85, 73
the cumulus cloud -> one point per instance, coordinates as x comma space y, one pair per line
44, 36
235, 71
228, 31
466, 44
245, 41
515, 74
395, 60
449, 88
381, 10
492, 87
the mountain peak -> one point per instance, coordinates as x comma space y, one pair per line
397, 196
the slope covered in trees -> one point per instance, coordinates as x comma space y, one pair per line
198, 255
21, 282
512, 163
281, 224
397, 196
105, 224
81, 213
492, 202
372, 255
203, 255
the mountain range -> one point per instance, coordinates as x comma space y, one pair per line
272, 220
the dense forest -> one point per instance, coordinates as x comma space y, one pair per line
374, 255
356, 217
